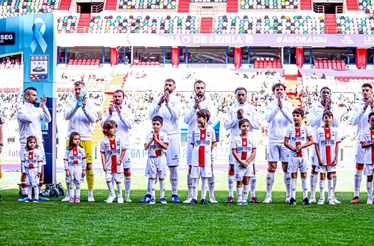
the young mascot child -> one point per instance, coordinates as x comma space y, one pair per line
112, 150
297, 139
156, 143
367, 143
31, 167
203, 142
243, 148
326, 141
75, 166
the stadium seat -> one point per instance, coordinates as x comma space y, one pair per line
276, 24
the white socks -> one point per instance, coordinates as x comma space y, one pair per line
269, 183
162, 189
231, 180
239, 194
357, 182
211, 184
128, 186
369, 187
287, 180
313, 185
119, 190
174, 180
322, 189
152, 184
110, 188
245, 192
304, 186
252, 183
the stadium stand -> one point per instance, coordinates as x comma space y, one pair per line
265, 24
208, 1
366, 5
67, 24
330, 64
65, 5
10, 8
355, 25
147, 4
180, 23
269, 4
84, 63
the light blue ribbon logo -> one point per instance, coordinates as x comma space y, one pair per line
38, 30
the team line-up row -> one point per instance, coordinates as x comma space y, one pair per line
288, 141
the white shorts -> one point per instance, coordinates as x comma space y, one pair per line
189, 153
241, 172
32, 178
204, 172
156, 167
360, 153
40, 148
116, 177
126, 162
297, 163
369, 169
314, 158
173, 152
277, 152
326, 169
75, 175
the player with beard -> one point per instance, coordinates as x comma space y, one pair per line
122, 115
169, 108
316, 121
360, 119
279, 116
241, 110
192, 107
30, 119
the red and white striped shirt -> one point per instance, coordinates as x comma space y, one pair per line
298, 136
327, 139
112, 150
202, 141
243, 146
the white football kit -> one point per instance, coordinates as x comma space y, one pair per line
279, 120
298, 136
112, 149
125, 121
244, 148
75, 162
326, 139
156, 161
31, 164
202, 141
191, 120
170, 112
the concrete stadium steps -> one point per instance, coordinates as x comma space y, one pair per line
84, 20
184, 6
305, 4
330, 23
111, 5
232, 6
352, 5
206, 25
65, 5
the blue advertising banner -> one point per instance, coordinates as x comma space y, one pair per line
34, 36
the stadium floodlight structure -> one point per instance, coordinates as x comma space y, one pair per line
34, 37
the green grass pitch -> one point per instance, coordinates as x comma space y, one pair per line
57, 223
